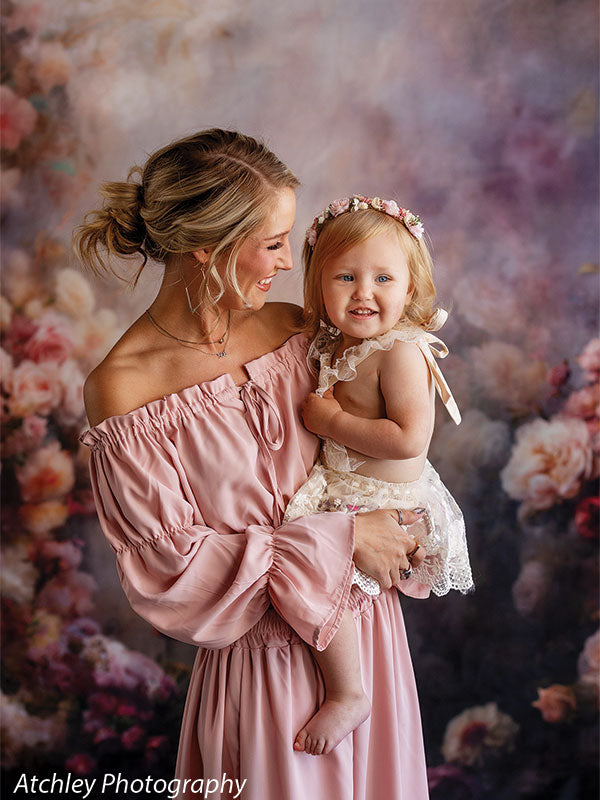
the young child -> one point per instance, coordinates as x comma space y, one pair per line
369, 304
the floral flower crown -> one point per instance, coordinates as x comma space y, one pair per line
358, 202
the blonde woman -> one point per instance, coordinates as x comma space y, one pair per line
197, 446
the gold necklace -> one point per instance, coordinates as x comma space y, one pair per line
223, 340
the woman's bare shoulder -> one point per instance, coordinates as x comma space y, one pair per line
117, 385
283, 319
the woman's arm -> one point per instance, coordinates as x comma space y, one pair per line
404, 433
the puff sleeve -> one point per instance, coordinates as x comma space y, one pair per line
204, 586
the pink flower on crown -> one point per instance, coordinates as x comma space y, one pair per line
311, 234
391, 207
339, 206
414, 225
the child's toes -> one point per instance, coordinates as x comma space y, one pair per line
319, 747
300, 741
308, 744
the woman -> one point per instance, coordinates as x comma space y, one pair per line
197, 446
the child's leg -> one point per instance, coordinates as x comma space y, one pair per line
346, 704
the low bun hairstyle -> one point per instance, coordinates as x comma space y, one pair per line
209, 190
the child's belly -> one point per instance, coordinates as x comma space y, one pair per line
394, 471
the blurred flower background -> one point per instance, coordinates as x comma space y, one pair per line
483, 121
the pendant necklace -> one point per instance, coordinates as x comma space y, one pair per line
223, 340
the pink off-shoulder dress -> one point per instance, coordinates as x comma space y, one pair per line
191, 490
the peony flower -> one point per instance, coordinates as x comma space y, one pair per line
34, 389
588, 664
508, 377
339, 206
472, 734
589, 360
53, 66
28, 436
48, 474
549, 461
73, 293
17, 118
115, 665
18, 333
18, 575
80, 764
531, 587
52, 339
41, 518
60, 555
555, 702
391, 207
587, 519
584, 403
68, 594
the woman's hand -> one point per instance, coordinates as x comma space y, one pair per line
381, 544
317, 412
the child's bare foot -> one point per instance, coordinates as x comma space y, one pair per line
332, 722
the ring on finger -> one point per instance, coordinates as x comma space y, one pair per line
412, 552
406, 573
400, 516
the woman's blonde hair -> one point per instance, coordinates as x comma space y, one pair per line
209, 190
339, 234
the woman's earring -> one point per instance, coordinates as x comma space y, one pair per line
195, 308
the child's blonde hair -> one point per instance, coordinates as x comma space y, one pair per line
210, 190
339, 234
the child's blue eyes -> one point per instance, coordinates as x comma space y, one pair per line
378, 279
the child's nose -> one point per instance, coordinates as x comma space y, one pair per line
362, 290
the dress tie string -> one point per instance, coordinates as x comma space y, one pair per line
264, 414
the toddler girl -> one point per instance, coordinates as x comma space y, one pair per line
369, 305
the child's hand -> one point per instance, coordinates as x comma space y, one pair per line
318, 412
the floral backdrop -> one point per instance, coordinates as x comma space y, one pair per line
484, 120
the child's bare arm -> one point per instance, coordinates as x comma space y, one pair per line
404, 384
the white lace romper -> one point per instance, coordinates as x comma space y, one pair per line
333, 485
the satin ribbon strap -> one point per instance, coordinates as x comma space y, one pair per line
434, 348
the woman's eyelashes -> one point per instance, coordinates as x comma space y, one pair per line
275, 246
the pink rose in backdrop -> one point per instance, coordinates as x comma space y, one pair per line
80, 764
41, 518
588, 664
589, 360
555, 703
470, 736
28, 436
52, 339
73, 293
549, 462
34, 389
69, 594
17, 118
47, 474
585, 403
